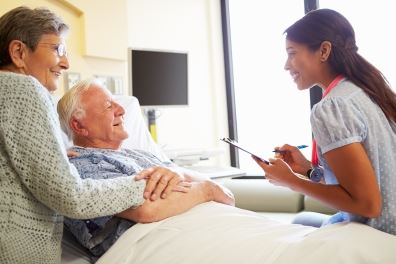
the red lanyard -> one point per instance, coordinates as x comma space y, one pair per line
334, 83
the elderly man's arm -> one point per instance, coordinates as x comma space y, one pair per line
179, 202
161, 181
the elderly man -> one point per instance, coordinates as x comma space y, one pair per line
94, 121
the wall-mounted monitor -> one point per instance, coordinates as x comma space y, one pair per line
159, 78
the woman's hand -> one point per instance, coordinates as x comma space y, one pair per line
161, 181
294, 158
278, 172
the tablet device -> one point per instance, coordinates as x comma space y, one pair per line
237, 145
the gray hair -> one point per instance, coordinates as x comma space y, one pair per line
70, 105
27, 25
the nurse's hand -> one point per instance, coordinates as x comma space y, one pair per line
278, 172
294, 158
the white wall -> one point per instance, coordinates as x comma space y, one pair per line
192, 26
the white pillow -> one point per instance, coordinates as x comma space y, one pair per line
134, 123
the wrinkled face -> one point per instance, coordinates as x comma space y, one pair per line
103, 121
303, 64
45, 64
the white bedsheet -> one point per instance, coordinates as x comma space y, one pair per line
216, 233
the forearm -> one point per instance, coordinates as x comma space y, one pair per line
303, 168
357, 190
333, 195
176, 203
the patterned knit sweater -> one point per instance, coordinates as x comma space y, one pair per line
37, 183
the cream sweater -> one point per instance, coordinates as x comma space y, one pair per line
37, 183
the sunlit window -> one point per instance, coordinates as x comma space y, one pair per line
270, 110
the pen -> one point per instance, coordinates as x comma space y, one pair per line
299, 147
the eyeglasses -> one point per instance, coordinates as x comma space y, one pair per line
60, 48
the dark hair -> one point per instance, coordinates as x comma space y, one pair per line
27, 25
328, 25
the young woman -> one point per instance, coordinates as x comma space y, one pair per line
353, 164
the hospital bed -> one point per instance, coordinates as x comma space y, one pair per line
216, 233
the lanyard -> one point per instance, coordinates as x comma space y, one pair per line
334, 83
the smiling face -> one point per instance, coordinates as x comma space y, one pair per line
44, 63
304, 65
102, 125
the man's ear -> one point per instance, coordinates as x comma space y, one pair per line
77, 127
18, 51
325, 50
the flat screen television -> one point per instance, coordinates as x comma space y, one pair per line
159, 78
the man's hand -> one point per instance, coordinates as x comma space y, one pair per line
221, 194
177, 203
161, 181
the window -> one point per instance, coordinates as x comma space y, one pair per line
270, 110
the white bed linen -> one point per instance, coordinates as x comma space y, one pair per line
216, 233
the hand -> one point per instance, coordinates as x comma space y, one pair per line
183, 186
72, 154
278, 172
294, 158
160, 182
221, 194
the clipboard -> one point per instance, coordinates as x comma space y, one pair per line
237, 145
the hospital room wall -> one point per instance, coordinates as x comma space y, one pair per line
192, 26
102, 31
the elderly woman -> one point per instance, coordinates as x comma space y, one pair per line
37, 183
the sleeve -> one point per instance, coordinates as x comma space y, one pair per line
337, 122
32, 137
